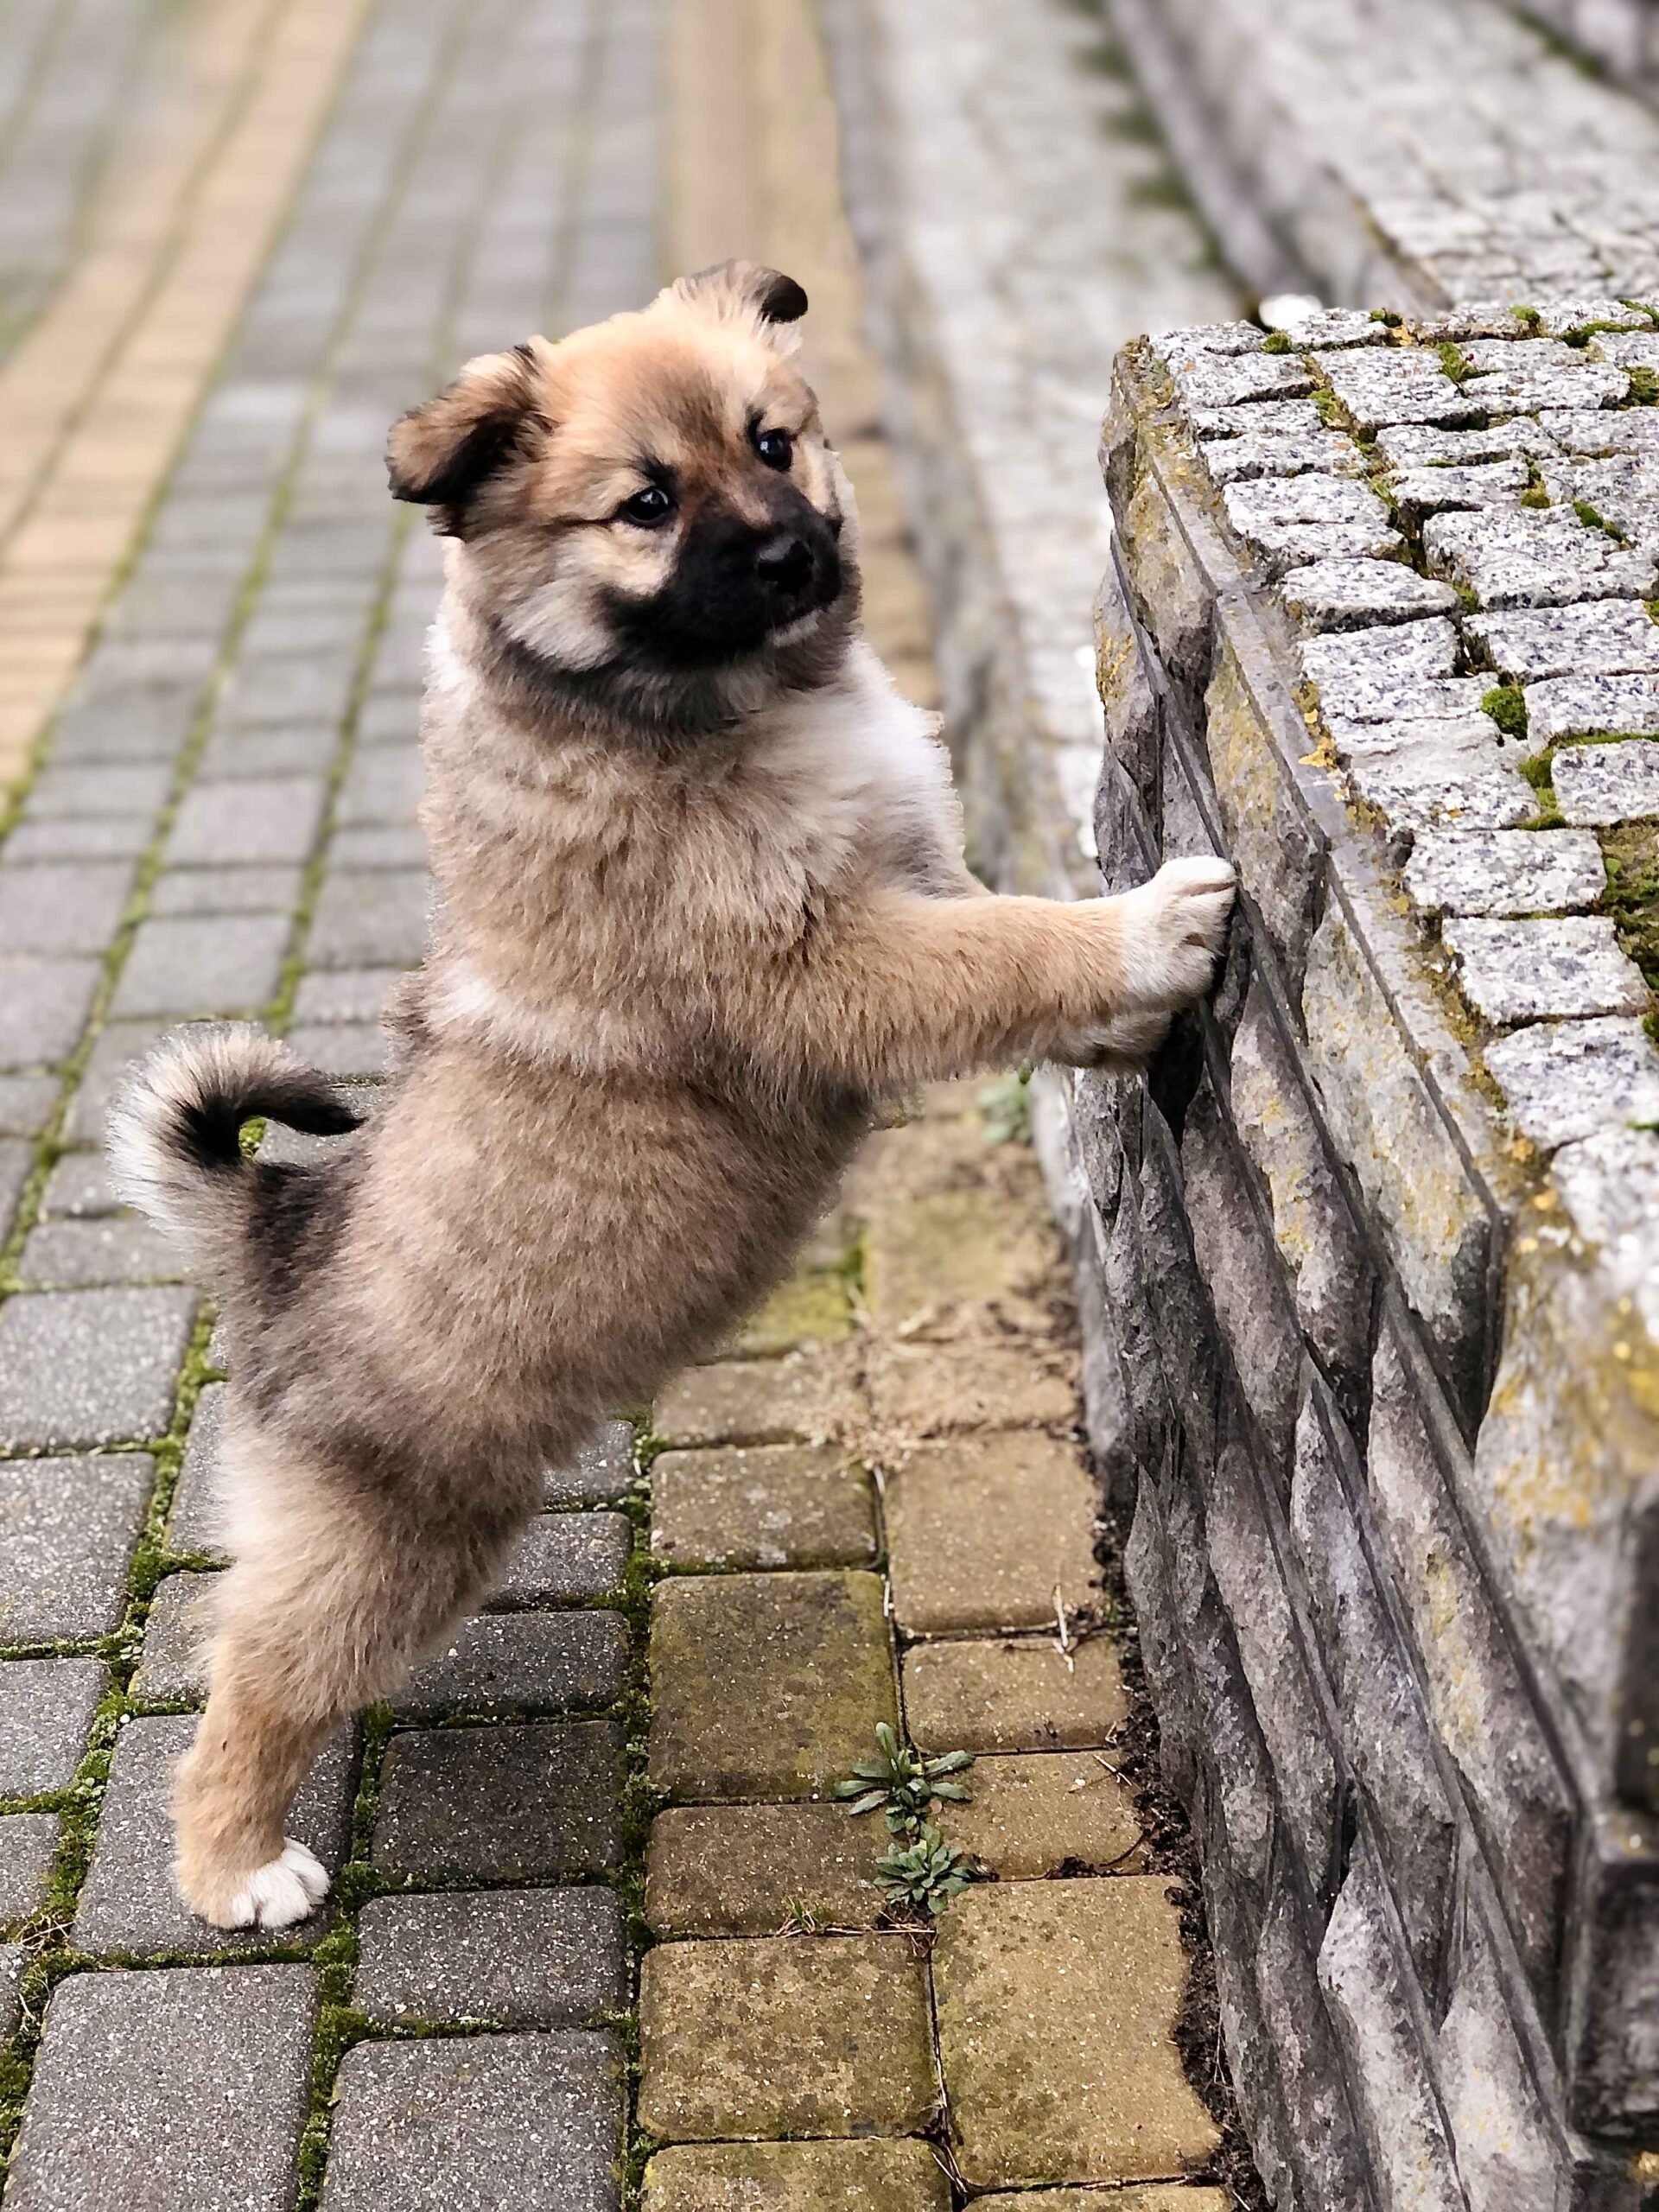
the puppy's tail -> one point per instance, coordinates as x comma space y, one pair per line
176, 1129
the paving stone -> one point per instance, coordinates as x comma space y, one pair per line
1354, 594
119, 1047
1592, 706
1399, 385
813, 1307
991, 1532
1524, 390
1219, 381
192, 1522
827, 2035
28, 1844
535, 1958
527, 1804
67, 1528
1522, 971
128, 1902
14, 1957
45, 1715
810, 1653
1419, 492
753, 1870
110, 788
347, 994
1608, 783
358, 1049
300, 749
1013, 1696
384, 783
1237, 460
930, 1389
873, 2176
79, 1188
214, 965
1186, 347
1388, 657
288, 688
80, 1367
1504, 871
173, 1667
767, 1505
1534, 558
806, 1398
566, 1558
79, 840
1564, 1080
43, 1009
474, 2124
938, 1264
74, 907
1044, 1813
1598, 431
502, 1664
1429, 786
85, 1255
26, 1104
602, 1472
383, 848
1257, 418
1602, 637
1107, 2101
154, 2090
369, 918
1302, 498
255, 820
1416, 445
16, 1165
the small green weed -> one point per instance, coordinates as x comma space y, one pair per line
1006, 1107
923, 1875
1278, 341
1506, 705
900, 1782
1453, 361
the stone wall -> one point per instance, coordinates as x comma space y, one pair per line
1371, 1258
1621, 36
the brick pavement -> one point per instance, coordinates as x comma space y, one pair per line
214, 614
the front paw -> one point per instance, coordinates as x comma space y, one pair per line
1118, 1046
1173, 930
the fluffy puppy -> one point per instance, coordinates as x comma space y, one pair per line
701, 907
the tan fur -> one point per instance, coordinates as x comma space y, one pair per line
693, 924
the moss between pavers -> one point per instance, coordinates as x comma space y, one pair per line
926, 1260
1010, 1696
813, 1307
755, 1870
983, 1533
801, 1399
826, 2036
766, 1505
1036, 1814
765, 1686
1057, 2003
867, 2177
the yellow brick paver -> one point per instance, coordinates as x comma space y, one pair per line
98, 393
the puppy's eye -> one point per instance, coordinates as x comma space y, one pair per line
775, 448
651, 505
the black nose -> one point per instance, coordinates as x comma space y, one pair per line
784, 565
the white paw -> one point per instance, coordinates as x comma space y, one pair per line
276, 1896
1172, 930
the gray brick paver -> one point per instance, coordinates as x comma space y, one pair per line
43, 1008
46, 1715
256, 819
368, 918
67, 1528
533, 1959
533, 2121
68, 908
217, 965
87, 1367
522, 1662
29, 1843
528, 1803
158, 2091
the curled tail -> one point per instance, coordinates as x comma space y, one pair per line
176, 1128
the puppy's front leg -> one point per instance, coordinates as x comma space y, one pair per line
891, 990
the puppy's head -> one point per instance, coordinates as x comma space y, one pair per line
650, 514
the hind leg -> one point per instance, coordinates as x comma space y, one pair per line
320, 1615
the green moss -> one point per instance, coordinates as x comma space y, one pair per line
1631, 854
1506, 705
1534, 496
1528, 316
1453, 361
1277, 342
1644, 386
1592, 518
1388, 318
1330, 410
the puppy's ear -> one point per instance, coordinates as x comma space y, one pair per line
440, 453
744, 291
